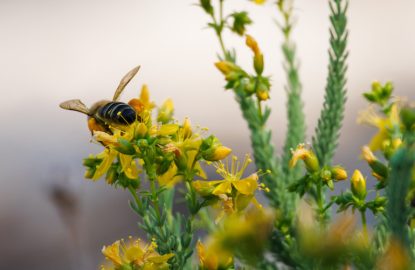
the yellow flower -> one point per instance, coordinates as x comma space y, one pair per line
245, 234
185, 145
259, 2
128, 164
137, 254
396, 257
213, 257
305, 154
235, 193
384, 124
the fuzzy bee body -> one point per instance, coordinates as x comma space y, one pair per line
107, 113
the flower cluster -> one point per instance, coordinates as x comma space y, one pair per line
134, 255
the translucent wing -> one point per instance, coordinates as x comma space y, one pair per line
124, 81
74, 105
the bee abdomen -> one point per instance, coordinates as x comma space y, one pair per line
117, 113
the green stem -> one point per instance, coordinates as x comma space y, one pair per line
155, 199
364, 225
136, 199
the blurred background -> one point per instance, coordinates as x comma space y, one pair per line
51, 51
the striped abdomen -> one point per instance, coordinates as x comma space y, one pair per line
117, 113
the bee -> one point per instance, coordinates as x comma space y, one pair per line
105, 113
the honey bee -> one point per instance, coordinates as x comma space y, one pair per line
104, 113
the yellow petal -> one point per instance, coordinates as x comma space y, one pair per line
112, 253
247, 186
168, 129
377, 140
129, 166
170, 178
160, 258
223, 188
108, 157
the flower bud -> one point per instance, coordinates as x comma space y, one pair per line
308, 156
125, 147
168, 129
111, 175
187, 128
140, 130
219, 153
368, 154
89, 173
379, 170
226, 67
252, 44
358, 185
325, 175
259, 63
339, 173
165, 113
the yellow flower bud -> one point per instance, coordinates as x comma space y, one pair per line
165, 113
140, 130
339, 173
220, 153
168, 129
187, 128
262, 95
259, 63
252, 44
226, 67
308, 156
368, 154
358, 184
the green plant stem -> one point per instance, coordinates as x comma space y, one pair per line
327, 132
364, 224
296, 119
402, 163
136, 199
154, 198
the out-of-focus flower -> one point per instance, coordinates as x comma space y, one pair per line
135, 255
307, 155
385, 125
396, 257
213, 257
244, 234
165, 112
259, 2
329, 245
358, 185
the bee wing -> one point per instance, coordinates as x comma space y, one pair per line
75, 105
124, 81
